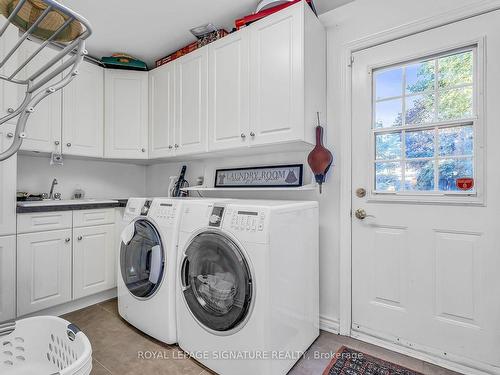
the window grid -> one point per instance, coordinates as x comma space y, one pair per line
436, 124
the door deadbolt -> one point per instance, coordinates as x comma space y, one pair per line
361, 193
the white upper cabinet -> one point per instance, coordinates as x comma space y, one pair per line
287, 76
126, 114
7, 278
191, 118
43, 129
83, 113
8, 170
161, 112
228, 94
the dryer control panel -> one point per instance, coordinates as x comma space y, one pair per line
248, 223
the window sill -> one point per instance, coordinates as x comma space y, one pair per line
457, 199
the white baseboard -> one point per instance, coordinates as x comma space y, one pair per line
464, 367
329, 324
78, 304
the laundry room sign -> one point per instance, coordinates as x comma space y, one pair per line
268, 176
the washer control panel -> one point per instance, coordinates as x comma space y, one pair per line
164, 211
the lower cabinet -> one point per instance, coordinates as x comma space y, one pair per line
70, 259
43, 270
7, 278
93, 260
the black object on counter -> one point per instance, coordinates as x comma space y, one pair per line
180, 184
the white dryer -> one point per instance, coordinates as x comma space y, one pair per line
147, 266
248, 296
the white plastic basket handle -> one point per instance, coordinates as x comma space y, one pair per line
37, 84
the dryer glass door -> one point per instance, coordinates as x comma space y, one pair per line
142, 260
217, 283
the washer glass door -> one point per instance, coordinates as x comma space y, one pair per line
142, 260
216, 281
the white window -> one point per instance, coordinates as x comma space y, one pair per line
424, 124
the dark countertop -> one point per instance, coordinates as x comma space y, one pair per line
71, 207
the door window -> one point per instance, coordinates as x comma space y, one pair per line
217, 283
424, 124
142, 260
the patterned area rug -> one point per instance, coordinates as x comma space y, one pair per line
352, 362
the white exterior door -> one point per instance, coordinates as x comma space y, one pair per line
43, 270
83, 113
161, 111
277, 78
229, 95
43, 129
93, 260
425, 259
191, 81
126, 114
8, 183
7, 278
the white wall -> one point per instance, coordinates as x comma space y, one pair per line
99, 179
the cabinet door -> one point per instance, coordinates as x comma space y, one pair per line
191, 78
161, 111
43, 129
83, 113
277, 78
8, 180
93, 260
43, 270
229, 93
126, 114
7, 278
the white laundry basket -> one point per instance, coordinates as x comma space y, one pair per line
44, 345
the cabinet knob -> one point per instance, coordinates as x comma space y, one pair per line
243, 135
67, 240
143, 149
10, 135
10, 110
80, 238
57, 143
68, 144
252, 134
176, 145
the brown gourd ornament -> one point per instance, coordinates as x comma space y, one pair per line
320, 158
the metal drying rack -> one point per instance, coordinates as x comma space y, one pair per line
39, 85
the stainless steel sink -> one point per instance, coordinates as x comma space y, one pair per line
51, 202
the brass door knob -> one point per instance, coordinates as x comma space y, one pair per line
361, 214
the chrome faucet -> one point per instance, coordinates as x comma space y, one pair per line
54, 183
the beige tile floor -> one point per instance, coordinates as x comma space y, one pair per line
116, 344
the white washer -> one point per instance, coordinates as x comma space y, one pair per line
147, 266
248, 295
